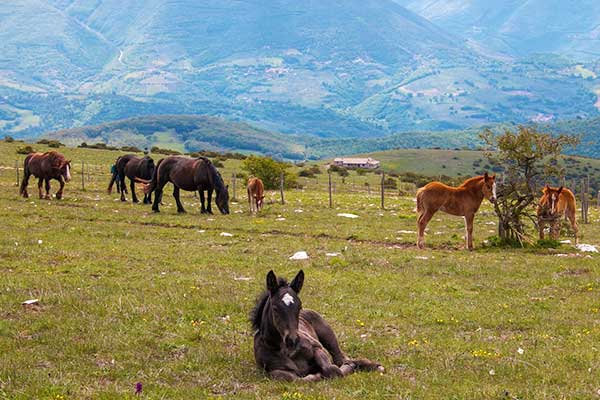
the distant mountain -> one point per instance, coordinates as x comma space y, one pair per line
316, 69
520, 27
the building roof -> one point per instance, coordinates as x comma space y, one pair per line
356, 160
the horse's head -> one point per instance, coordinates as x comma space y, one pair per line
148, 166
222, 199
489, 187
259, 201
549, 200
284, 307
65, 170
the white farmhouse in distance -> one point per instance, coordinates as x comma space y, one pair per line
367, 163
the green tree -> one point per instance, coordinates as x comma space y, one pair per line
527, 157
269, 171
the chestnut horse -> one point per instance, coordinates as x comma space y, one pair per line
462, 201
46, 166
132, 167
295, 343
256, 194
191, 174
555, 204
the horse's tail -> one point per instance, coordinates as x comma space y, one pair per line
419, 209
26, 174
113, 178
150, 186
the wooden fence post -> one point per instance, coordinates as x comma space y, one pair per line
330, 195
17, 169
233, 177
382, 190
281, 181
82, 175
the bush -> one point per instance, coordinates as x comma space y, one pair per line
269, 171
131, 149
9, 139
218, 163
25, 150
168, 152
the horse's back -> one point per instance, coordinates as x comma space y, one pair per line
567, 198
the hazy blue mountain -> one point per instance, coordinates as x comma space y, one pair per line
328, 69
520, 27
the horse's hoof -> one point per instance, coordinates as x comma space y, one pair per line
135, 201
154, 210
181, 212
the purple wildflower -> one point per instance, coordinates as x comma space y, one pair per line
138, 388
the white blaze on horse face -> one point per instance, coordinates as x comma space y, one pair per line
494, 191
68, 178
552, 203
287, 299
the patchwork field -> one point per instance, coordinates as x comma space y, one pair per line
127, 296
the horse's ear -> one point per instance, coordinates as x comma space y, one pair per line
272, 282
298, 282
486, 176
560, 189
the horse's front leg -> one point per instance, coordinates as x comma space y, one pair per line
40, 184
60, 189
288, 376
133, 195
209, 195
123, 188
47, 187
328, 369
469, 230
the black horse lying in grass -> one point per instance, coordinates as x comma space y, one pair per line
191, 174
292, 343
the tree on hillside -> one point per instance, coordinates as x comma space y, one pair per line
527, 157
269, 171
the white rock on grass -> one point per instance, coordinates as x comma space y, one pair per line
403, 231
567, 241
30, 302
227, 234
299, 255
346, 215
332, 254
587, 248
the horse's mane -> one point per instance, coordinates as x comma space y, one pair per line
55, 158
470, 181
215, 175
261, 301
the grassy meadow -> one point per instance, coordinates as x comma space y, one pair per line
128, 296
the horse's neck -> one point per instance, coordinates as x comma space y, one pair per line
474, 190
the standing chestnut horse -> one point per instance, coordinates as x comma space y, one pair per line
133, 167
295, 343
555, 204
191, 174
256, 194
462, 201
46, 166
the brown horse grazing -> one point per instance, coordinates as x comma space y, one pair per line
46, 166
462, 201
256, 194
294, 343
134, 168
555, 204
191, 174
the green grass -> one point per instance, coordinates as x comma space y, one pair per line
129, 296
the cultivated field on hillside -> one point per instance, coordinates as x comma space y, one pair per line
129, 296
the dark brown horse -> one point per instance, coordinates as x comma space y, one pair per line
462, 201
134, 168
46, 166
555, 204
295, 343
191, 174
256, 194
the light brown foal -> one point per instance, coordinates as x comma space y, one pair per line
462, 201
555, 204
256, 194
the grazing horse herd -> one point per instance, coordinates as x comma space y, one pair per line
290, 342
